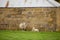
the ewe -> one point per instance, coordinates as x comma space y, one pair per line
35, 30
22, 26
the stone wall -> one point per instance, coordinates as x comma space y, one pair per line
45, 19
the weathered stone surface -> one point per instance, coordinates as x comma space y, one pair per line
45, 19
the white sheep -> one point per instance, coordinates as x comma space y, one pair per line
22, 26
34, 29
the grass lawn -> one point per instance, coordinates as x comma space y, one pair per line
25, 35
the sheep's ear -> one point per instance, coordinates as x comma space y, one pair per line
7, 4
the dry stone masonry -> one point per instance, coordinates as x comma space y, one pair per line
44, 19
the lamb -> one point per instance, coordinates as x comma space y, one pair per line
34, 29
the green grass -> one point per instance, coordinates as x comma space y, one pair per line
27, 35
